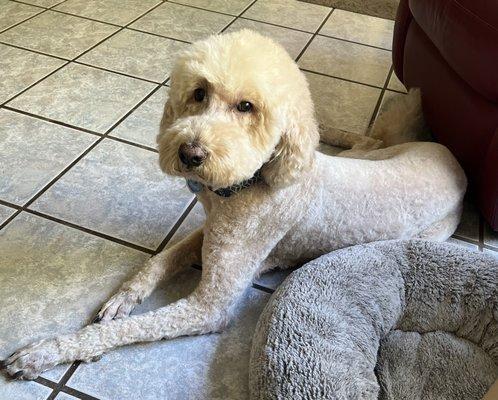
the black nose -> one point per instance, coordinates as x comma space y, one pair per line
191, 154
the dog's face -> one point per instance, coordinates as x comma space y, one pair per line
237, 104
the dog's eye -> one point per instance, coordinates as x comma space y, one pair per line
244, 106
199, 94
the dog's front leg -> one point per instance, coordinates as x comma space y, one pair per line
227, 272
164, 265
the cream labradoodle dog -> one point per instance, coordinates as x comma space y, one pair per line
239, 125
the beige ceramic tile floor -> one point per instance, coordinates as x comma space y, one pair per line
82, 200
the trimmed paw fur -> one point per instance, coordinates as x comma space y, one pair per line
118, 306
30, 361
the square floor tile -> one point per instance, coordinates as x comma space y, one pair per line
359, 28
293, 41
43, 3
347, 60
490, 236
21, 68
395, 84
233, 7
213, 366
182, 22
60, 275
119, 190
5, 213
142, 126
342, 105
136, 53
290, 13
58, 34
469, 223
12, 13
83, 96
33, 152
113, 11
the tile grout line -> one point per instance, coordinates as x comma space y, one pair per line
263, 288
340, 79
94, 144
203, 9
51, 121
61, 382
278, 25
117, 72
354, 42
80, 129
10, 219
380, 100
62, 173
16, 46
238, 16
314, 36
76, 393
134, 144
29, 4
81, 228
121, 28
79, 55
132, 110
90, 231
158, 35
43, 10
183, 216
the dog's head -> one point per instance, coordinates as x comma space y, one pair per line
237, 104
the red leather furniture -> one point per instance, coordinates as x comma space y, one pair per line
449, 48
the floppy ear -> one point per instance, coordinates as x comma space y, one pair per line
295, 151
168, 115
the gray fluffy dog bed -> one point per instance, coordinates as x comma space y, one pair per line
397, 320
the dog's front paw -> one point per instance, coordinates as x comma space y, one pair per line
30, 361
118, 306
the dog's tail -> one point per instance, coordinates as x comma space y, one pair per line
401, 120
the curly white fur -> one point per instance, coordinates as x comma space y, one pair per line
309, 204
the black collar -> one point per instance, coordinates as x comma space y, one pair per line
196, 187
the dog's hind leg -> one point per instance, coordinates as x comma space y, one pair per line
401, 120
164, 265
348, 140
443, 229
